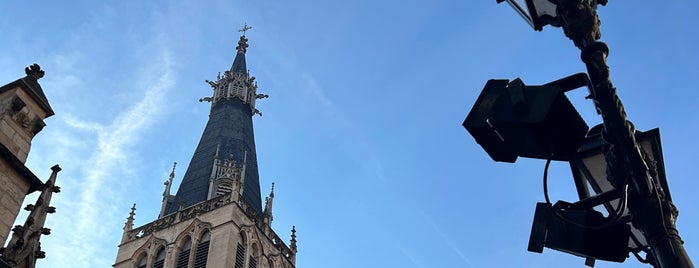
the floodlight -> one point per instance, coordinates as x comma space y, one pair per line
511, 119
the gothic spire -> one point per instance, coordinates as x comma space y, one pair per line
24, 247
229, 131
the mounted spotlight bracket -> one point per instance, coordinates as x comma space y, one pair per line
511, 119
576, 231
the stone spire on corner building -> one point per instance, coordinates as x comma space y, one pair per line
24, 247
229, 132
128, 226
167, 197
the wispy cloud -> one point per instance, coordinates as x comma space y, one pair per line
364, 145
411, 258
99, 182
446, 239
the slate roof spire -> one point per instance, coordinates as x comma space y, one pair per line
229, 132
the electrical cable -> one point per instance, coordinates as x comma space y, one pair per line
614, 216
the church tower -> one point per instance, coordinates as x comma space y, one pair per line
216, 218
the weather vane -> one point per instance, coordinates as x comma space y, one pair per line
245, 28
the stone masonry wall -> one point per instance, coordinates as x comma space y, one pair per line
12, 193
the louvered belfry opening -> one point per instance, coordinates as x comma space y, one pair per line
240, 256
159, 258
202, 252
183, 255
253, 262
240, 252
224, 188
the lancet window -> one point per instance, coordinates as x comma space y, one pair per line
201, 254
183, 255
159, 258
142, 261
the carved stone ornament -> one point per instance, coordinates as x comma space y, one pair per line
22, 119
35, 71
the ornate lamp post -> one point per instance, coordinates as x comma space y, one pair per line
627, 166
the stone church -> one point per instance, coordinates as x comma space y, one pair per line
216, 218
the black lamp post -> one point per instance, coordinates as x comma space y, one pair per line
629, 172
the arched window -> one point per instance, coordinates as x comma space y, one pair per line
183, 255
202, 252
159, 258
240, 252
271, 264
142, 260
254, 256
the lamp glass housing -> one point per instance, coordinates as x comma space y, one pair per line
538, 13
589, 173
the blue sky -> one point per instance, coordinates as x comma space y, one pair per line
362, 131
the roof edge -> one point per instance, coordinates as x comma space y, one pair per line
34, 182
36, 94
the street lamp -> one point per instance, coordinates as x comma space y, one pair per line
597, 190
628, 172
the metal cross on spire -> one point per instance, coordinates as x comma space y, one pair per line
245, 28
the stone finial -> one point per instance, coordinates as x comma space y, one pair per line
129, 220
168, 183
172, 174
166, 193
293, 239
128, 226
243, 42
242, 45
35, 71
267, 213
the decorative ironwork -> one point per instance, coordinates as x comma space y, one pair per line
245, 28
